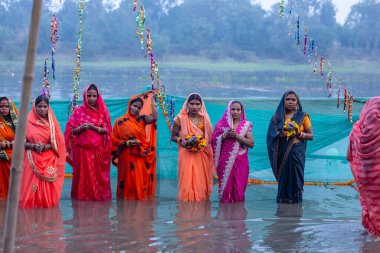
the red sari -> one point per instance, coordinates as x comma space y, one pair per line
136, 166
7, 133
364, 157
89, 153
43, 174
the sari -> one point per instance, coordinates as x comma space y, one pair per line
136, 165
195, 169
231, 158
43, 173
7, 133
287, 159
89, 153
364, 158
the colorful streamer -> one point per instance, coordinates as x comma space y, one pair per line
329, 79
290, 23
350, 107
77, 68
140, 20
45, 81
305, 42
54, 40
282, 7
298, 31
346, 95
339, 87
148, 41
134, 5
322, 63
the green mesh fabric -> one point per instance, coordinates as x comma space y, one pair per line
325, 154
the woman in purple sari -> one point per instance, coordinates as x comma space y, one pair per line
231, 139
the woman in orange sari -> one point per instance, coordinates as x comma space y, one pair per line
134, 148
44, 159
8, 121
195, 167
88, 144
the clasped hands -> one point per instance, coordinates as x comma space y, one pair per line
39, 147
231, 134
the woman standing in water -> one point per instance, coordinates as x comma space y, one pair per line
231, 139
288, 132
192, 130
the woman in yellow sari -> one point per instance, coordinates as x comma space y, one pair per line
8, 121
195, 162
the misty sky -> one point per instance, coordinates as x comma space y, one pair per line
343, 7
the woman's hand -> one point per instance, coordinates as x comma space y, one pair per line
133, 143
232, 134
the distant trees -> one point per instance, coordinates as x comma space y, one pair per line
216, 29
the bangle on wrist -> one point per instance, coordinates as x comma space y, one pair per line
179, 139
127, 143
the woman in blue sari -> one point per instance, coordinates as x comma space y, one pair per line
288, 132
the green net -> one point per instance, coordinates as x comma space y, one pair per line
325, 154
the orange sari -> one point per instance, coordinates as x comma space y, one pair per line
136, 166
43, 174
195, 169
7, 133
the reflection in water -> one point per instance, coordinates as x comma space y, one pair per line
133, 231
90, 226
284, 233
193, 226
40, 230
232, 233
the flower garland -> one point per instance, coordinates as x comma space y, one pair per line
77, 67
329, 79
140, 20
195, 143
45, 81
134, 5
290, 131
54, 40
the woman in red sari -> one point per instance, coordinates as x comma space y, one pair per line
8, 121
364, 156
88, 144
44, 158
134, 148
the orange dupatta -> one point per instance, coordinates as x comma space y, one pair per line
7, 133
43, 174
136, 165
195, 169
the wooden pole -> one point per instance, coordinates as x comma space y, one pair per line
18, 150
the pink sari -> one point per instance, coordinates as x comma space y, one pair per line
195, 169
230, 158
364, 157
89, 153
43, 173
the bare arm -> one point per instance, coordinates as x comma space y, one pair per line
247, 140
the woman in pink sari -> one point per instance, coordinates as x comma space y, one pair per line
195, 168
231, 139
88, 143
364, 156
44, 158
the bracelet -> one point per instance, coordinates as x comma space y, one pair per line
302, 135
127, 143
179, 139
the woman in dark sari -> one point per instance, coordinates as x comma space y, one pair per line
288, 132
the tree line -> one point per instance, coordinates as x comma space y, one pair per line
212, 29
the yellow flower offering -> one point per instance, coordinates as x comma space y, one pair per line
290, 128
195, 142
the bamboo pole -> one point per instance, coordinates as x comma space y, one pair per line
18, 150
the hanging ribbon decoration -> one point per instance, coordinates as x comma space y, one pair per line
329, 79
321, 65
339, 87
305, 42
350, 107
290, 24
54, 40
45, 81
298, 31
282, 7
134, 5
77, 68
311, 50
140, 20
346, 95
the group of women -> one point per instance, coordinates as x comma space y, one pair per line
90, 144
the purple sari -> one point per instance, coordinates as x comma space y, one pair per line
231, 158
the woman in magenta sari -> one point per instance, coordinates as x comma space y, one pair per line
88, 144
231, 139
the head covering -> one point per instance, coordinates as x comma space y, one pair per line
275, 128
98, 116
7, 129
364, 158
186, 127
13, 112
